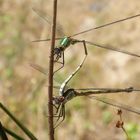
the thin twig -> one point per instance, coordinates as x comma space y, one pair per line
120, 124
50, 81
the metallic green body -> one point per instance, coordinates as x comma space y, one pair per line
65, 42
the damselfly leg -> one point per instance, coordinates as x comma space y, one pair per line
59, 105
59, 52
57, 61
61, 114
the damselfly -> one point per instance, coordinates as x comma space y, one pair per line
67, 41
66, 95
60, 101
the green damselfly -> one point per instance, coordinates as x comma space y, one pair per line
67, 41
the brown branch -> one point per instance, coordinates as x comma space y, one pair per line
50, 81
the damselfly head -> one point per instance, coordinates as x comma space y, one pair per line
57, 52
58, 100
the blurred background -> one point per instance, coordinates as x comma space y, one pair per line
24, 90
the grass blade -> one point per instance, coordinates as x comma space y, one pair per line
3, 135
24, 129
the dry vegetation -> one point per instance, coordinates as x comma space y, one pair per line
23, 90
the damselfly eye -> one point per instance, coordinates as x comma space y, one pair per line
58, 100
56, 51
61, 98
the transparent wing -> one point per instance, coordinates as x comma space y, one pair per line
106, 25
45, 72
100, 46
91, 92
39, 68
113, 49
41, 40
113, 103
48, 19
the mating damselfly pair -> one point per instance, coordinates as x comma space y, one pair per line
65, 93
